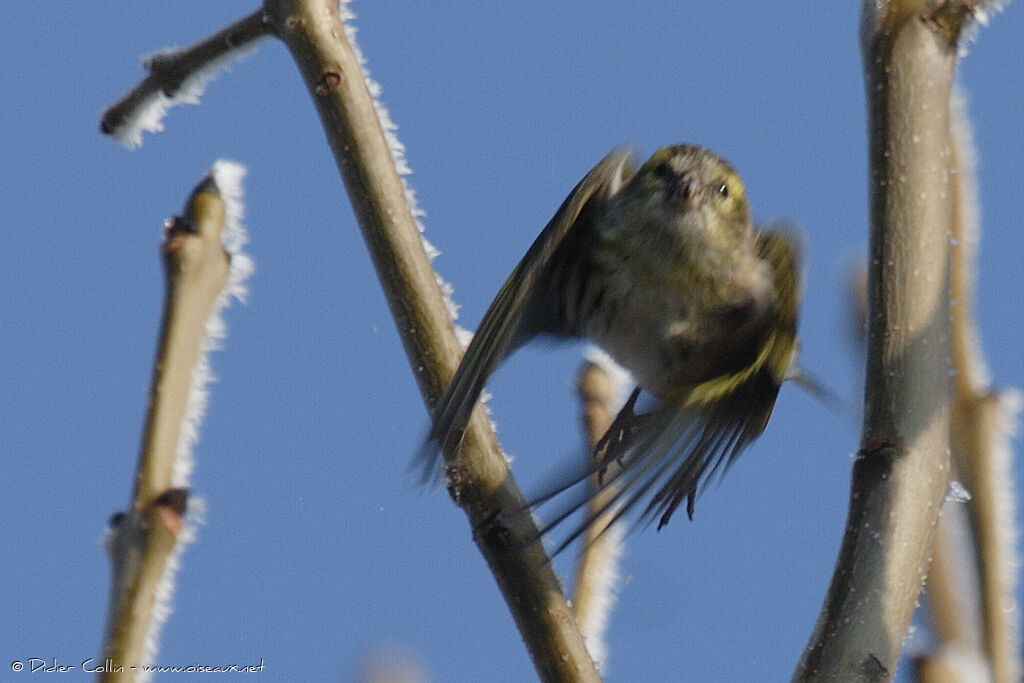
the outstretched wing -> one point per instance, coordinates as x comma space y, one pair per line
499, 332
691, 438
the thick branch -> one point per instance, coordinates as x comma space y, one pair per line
480, 483
902, 474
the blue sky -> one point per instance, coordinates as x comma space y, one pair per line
318, 546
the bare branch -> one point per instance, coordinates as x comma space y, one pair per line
479, 482
981, 429
597, 573
144, 542
177, 76
902, 474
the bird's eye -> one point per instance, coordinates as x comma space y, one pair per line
665, 171
723, 190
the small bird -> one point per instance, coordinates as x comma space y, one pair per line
662, 268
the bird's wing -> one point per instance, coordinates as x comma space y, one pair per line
689, 439
497, 332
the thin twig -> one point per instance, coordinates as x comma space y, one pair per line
980, 433
169, 70
597, 572
144, 539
